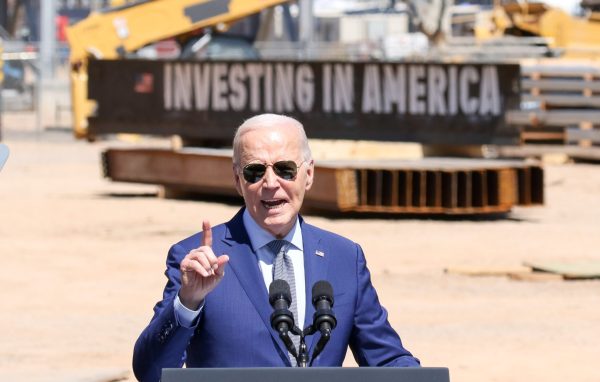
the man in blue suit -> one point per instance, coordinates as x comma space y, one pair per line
215, 310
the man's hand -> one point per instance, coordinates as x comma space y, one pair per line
201, 271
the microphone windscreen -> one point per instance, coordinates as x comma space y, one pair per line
279, 289
322, 289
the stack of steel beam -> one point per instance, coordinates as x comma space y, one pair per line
560, 102
424, 186
429, 185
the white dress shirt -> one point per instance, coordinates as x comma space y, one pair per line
259, 238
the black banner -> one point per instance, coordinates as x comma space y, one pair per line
435, 103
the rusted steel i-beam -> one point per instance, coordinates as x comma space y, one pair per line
426, 186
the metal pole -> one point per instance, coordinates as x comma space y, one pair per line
4, 14
306, 23
46, 61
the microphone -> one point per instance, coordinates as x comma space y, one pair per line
324, 319
282, 320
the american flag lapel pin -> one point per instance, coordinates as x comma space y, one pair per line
320, 253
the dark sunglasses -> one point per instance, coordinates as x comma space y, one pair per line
285, 169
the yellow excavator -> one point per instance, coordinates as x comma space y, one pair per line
571, 36
118, 31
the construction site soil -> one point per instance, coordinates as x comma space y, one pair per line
83, 259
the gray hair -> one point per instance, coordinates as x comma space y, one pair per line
262, 121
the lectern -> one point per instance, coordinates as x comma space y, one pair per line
312, 374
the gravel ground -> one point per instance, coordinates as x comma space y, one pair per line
82, 261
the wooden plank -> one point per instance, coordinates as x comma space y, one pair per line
542, 136
484, 271
535, 276
513, 273
570, 270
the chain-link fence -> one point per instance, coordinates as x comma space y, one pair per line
21, 90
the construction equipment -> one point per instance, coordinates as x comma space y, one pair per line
116, 32
560, 102
569, 36
119, 31
433, 18
203, 102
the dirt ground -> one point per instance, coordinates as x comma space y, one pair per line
82, 261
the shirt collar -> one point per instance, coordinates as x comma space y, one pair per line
259, 237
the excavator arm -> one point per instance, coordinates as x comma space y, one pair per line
115, 32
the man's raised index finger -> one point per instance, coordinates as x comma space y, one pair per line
207, 234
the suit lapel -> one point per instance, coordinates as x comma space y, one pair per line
315, 269
244, 264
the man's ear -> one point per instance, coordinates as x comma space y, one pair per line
310, 175
237, 182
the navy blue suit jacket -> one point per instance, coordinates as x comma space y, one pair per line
234, 327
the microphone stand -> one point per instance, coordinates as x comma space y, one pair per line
282, 319
325, 336
289, 344
302, 357
303, 354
